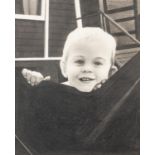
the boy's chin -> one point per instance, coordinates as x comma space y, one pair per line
85, 88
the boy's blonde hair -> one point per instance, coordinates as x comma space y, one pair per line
89, 34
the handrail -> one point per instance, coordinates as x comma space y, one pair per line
86, 16
114, 23
120, 27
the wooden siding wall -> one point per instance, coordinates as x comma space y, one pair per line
30, 34
30, 38
18, 7
29, 41
61, 22
89, 8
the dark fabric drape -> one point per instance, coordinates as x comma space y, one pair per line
59, 117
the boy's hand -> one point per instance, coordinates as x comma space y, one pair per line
113, 70
99, 85
33, 77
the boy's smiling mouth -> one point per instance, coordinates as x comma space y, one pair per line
86, 79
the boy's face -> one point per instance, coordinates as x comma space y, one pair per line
87, 65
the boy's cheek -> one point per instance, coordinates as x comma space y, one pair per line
103, 73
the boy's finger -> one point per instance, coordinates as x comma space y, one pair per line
29, 76
33, 79
24, 72
97, 86
47, 78
103, 81
29, 82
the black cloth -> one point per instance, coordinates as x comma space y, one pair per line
60, 117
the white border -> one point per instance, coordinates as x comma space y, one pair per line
147, 76
7, 78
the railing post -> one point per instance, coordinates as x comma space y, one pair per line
102, 18
137, 17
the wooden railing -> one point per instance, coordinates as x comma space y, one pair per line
113, 22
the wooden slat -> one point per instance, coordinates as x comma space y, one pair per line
128, 25
123, 40
113, 4
133, 50
125, 55
127, 46
125, 19
120, 9
123, 14
122, 33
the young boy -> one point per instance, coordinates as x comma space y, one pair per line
87, 60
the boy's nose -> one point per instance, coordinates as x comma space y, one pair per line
87, 68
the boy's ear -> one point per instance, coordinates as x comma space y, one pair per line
63, 68
113, 70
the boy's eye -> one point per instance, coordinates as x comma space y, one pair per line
98, 63
79, 61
